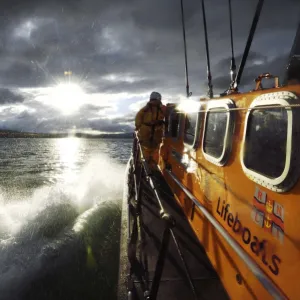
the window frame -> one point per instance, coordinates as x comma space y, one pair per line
230, 124
198, 127
282, 99
169, 134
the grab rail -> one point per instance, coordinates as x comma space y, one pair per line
141, 169
259, 274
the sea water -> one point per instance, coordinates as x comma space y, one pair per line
60, 213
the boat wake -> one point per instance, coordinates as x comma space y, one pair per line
60, 233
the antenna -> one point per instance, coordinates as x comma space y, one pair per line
232, 65
237, 79
210, 87
188, 93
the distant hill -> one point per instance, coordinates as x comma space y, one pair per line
19, 134
127, 135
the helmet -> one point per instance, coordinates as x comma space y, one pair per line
155, 96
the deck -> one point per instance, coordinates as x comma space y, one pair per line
145, 244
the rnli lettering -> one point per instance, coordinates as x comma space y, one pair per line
268, 214
277, 232
278, 211
257, 217
260, 195
257, 247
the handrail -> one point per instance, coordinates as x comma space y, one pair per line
168, 233
254, 268
246, 109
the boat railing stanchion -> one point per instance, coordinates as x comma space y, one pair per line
140, 172
135, 150
142, 175
169, 223
138, 175
139, 190
133, 234
137, 167
188, 275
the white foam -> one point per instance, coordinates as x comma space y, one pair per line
100, 179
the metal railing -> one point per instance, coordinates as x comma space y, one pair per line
250, 263
142, 174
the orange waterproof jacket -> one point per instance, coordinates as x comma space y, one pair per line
150, 134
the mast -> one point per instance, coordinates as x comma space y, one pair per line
209, 78
238, 77
188, 93
232, 65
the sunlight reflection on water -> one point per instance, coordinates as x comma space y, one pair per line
27, 164
68, 150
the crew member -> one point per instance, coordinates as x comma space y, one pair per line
149, 124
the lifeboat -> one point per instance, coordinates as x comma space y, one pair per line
218, 217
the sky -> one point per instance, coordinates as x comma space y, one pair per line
119, 51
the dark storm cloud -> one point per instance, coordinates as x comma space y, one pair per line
258, 65
23, 74
134, 46
92, 108
253, 58
101, 37
125, 119
106, 125
8, 97
130, 87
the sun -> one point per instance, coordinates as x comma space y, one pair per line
67, 97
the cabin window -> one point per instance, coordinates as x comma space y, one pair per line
215, 132
269, 150
266, 139
190, 128
173, 124
218, 130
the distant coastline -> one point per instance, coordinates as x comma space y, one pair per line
18, 134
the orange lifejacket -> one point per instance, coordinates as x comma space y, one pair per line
150, 134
